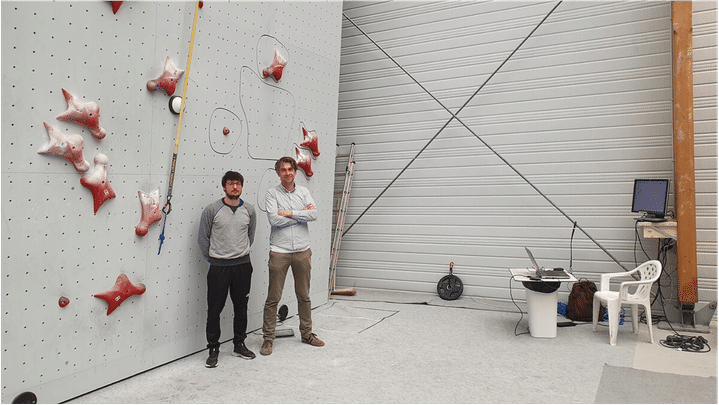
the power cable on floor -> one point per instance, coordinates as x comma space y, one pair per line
692, 344
685, 343
696, 344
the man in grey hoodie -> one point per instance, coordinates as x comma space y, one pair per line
227, 230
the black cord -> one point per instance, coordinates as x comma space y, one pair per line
571, 239
663, 247
453, 115
637, 238
692, 344
518, 308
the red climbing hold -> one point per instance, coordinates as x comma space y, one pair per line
168, 79
122, 290
226, 131
115, 6
87, 114
275, 69
311, 142
67, 146
304, 161
150, 211
63, 301
98, 183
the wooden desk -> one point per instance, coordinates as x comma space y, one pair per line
667, 229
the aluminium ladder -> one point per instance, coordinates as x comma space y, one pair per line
339, 226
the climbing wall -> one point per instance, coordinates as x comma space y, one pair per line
89, 295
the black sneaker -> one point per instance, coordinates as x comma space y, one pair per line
212, 359
242, 351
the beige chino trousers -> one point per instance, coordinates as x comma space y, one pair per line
279, 263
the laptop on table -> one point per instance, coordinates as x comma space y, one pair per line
542, 273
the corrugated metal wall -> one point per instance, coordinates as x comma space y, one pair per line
580, 110
704, 19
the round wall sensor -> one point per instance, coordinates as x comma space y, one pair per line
175, 104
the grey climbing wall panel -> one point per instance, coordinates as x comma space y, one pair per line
54, 245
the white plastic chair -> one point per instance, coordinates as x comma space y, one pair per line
649, 273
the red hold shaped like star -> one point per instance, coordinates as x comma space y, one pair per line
115, 6
150, 211
67, 146
122, 290
304, 161
98, 183
311, 142
168, 79
86, 114
276, 68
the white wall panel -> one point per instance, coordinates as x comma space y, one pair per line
53, 245
581, 110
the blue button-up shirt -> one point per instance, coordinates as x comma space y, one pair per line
289, 235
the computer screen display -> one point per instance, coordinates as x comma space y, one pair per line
650, 196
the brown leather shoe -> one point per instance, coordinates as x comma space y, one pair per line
313, 340
266, 348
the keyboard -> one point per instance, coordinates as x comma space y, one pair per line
542, 273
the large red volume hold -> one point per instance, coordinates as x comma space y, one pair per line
122, 290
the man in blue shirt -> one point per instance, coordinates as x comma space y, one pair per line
289, 208
227, 230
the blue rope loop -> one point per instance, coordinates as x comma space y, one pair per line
162, 235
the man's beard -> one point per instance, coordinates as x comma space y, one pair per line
232, 197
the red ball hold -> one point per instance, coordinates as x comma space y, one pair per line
202, 3
63, 301
226, 131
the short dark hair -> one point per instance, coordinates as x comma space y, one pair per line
230, 175
285, 159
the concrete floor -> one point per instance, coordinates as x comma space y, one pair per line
415, 348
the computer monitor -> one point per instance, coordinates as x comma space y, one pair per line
650, 197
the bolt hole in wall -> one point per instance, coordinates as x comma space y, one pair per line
61, 248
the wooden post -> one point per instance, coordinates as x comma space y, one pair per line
684, 189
